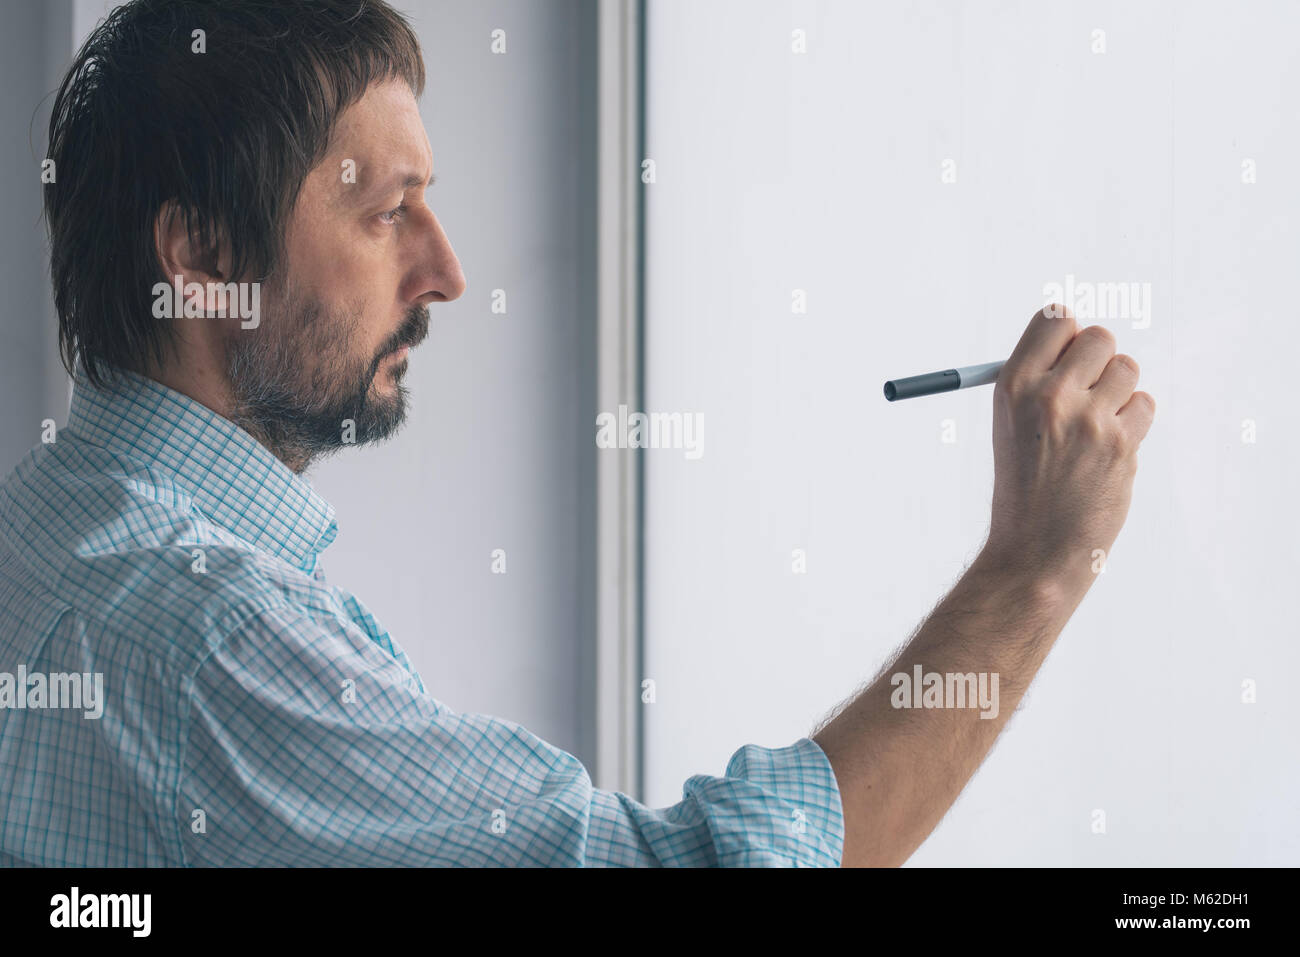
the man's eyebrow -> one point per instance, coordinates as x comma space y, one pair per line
402, 180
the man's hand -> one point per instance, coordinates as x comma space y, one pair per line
1066, 430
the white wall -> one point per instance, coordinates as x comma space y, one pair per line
497, 451
33, 385
822, 172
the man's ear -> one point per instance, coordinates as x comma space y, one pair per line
181, 255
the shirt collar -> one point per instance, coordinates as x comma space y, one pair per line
235, 480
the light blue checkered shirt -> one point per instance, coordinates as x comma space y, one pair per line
254, 714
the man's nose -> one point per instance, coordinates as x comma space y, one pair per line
446, 278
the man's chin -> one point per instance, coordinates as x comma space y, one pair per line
386, 408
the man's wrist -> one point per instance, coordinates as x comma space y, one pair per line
1053, 589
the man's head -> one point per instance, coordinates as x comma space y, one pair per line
274, 146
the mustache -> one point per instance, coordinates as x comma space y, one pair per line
412, 331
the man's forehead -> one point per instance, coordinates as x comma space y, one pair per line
381, 142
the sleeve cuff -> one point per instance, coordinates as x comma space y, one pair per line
776, 807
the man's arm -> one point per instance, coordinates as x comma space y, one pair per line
1066, 430
308, 743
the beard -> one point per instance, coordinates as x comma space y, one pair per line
298, 380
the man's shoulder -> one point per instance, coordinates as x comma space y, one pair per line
122, 546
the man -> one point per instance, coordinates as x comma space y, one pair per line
242, 257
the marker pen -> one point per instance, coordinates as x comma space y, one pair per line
946, 381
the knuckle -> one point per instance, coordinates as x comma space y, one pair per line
1013, 387
1094, 431
1126, 362
1101, 334
1051, 398
1143, 407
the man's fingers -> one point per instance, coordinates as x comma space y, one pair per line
1048, 333
1117, 382
1137, 414
1085, 358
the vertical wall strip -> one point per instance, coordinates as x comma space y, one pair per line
620, 334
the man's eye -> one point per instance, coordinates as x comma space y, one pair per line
393, 215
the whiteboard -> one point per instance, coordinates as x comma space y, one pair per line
924, 173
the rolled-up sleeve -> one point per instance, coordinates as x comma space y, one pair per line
307, 744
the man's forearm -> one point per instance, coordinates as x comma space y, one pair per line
900, 769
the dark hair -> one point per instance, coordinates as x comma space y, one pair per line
229, 135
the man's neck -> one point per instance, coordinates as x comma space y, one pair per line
205, 386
